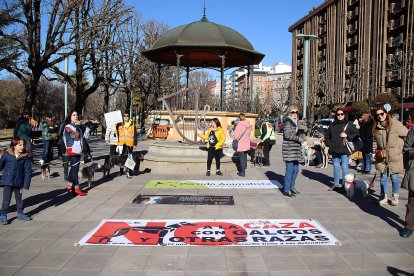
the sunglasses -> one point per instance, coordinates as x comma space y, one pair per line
126, 115
340, 114
380, 114
294, 112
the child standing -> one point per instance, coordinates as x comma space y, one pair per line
17, 176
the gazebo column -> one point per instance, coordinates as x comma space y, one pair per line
178, 56
223, 63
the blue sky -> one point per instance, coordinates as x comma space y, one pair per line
264, 23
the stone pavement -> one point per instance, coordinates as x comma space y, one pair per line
45, 246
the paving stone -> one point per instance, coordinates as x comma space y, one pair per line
109, 272
166, 263
88, 261
245, 263
11, 259
50, 260
363, 261
127, 262
331, 262
205, 263
8, 270
32, 245
397, 260
77, 272
285, 263
64, 246
34, 271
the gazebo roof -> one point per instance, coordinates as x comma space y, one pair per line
201, 43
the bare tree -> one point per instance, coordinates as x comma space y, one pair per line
9, 50
41, 49
97, 21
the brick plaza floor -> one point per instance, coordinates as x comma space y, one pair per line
45, 246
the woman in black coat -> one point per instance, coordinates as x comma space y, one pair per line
337, 132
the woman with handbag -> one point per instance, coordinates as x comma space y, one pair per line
291, 150
390, 135
339, 133
73, 136
241, 142
215, 137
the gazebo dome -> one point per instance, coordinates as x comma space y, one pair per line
201, 43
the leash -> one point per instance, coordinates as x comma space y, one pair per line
371, 184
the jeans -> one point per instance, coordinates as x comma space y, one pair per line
266, 151
366, 162
7, 194
243, 161
292, 170
47, 155
216, 154
395, 180
74, 169
338, 161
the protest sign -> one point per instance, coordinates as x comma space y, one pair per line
184, 199
113, 117
213, 184
223, 232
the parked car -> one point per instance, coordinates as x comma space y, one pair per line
324, 124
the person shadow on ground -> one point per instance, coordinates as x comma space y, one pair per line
397, 272
274, 176
44, 201
317, 176
370, 206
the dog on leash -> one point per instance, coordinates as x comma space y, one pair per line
89, 173
309, 152
325, 152
352, 184
45, 169
119, 161
258, 155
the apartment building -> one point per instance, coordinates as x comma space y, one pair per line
364, 47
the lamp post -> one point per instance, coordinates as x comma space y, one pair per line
306, 39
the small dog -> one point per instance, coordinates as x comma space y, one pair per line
352, 184
119, 161
89, 173
45, 169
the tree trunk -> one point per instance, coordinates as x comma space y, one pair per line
30, 92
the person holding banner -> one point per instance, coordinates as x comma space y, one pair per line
215, 137
389, 134
291, 150
127, 138
72, 138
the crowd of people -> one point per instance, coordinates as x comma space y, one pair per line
394, 153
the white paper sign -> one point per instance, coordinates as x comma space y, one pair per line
130, 163
113, 117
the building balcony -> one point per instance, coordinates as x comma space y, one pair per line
396, 8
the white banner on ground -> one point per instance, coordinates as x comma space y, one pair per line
213, 184
223, 232
113, 117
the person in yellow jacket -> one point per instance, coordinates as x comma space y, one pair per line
127, 138
215, 137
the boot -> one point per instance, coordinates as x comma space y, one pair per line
79, 192
383, 200
3, 219
394, 200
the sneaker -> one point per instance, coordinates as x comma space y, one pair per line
219, 173
295, 192
394, 200
22, 216
208, 173
3, 219
406, 233
383, 200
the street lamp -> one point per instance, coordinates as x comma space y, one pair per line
306, 39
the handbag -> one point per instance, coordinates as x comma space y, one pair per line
75, 149
381, 155
235, 142
353, 146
